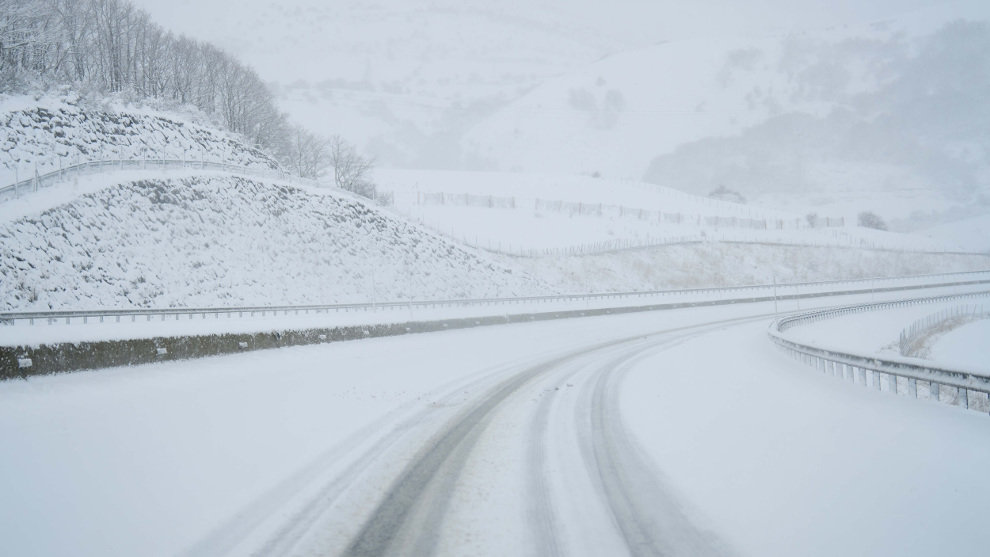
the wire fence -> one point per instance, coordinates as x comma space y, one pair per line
571, 208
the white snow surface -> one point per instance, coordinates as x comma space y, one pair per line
973, 233
786, 461
215, 455
966, 346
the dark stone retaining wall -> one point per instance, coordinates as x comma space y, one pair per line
56, 358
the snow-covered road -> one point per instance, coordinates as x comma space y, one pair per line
674, 432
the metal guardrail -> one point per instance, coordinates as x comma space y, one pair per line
768, 291
870, 370
47, 179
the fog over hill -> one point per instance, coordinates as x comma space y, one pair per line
409, 80
777, 100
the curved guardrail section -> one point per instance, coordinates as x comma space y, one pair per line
873, 371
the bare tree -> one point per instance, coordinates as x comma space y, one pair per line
351, 170
305, 154
112, 46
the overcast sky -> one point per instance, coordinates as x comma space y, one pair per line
662, 17
288, 40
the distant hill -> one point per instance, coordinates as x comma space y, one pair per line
891, 114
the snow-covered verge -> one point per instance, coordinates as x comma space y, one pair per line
964, 346
729, 264
214, 240
45, 132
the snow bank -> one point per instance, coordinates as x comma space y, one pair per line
786, 461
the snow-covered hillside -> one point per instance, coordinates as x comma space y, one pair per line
46, 132
731, 264
615, 116
222, 241
841, 109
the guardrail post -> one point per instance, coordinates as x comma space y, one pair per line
892, 383
963, 397
913, 387
933, 391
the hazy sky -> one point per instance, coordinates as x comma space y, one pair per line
656, 17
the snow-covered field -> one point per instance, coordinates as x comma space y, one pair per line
741, 450
966, 346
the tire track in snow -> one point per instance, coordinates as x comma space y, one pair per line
321, 492
648, 514
408, 519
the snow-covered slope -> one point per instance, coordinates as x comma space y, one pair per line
974, 233
45, 132
209, 241
731, 264
616, 115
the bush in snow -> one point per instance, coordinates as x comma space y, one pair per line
869, 219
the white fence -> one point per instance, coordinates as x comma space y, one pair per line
900, 375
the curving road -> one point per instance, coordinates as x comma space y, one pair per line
529, 458
681, 432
